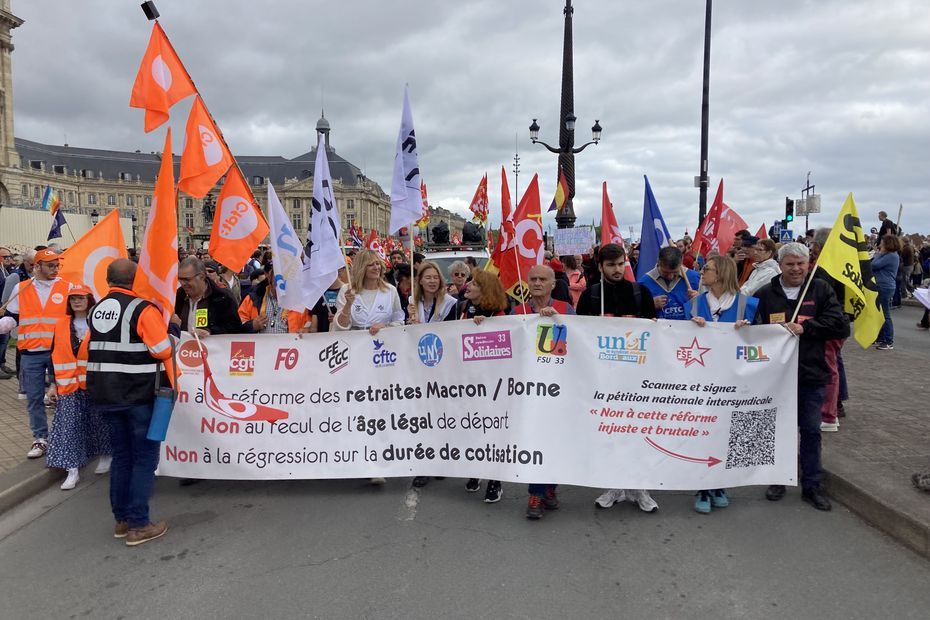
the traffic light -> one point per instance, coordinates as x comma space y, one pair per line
789, 210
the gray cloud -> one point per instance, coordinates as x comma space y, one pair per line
839, 88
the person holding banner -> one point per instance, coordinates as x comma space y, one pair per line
201, 305
671, 285
434, 304
484, 297
367, 301
813, 315
721, 302
616, 296
78, 432
260, 312
128, 339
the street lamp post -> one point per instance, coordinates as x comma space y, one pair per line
705, 114
94, 217
566, 149
133, 217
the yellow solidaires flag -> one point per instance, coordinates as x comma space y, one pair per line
845, 257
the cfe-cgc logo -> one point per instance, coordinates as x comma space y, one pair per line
630, 347
242, 359
552, 340
430, 350
191, 355
486, 346
381, 356
751, 353
692, 354
335, 356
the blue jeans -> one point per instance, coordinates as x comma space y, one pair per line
886, 334
844, 386
540, 489
132, 474
33, 368
4, 343
810, 402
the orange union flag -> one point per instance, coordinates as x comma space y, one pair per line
161, 81
239, 225
205, 158
157, 276
87, 260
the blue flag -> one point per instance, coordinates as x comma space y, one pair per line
653, 235
58, 220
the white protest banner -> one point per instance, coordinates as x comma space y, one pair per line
572, 241
600, 402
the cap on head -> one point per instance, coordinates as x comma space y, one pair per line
749, 241
80, 289
44, 256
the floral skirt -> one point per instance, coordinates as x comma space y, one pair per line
78, 433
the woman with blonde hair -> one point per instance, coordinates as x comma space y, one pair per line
367, 301
433, 303
721, 302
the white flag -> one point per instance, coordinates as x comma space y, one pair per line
287, 254
323, 256
406, 200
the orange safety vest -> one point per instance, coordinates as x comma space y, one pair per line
70, 369
37, 324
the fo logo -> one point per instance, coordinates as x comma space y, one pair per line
191, 355
335, 356
242, 359
751, 353
286, 358
430, 350
552, 340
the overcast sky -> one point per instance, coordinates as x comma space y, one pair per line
835, 87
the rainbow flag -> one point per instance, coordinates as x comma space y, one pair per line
51, 200
561, 193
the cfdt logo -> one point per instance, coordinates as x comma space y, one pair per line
430, 350
630, 347
242, 359
381, 356
335, 356
191, 355
486, 346
692, 354
552, 340
751, 353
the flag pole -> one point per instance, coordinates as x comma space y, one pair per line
603, 292
900, 212
810, 279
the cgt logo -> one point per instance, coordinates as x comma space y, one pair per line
382, 357
630, 347
242, 359
552, 340
750, 353
287, 358
191, 355
335, 356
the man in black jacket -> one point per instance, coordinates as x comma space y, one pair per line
819, 319
201, 305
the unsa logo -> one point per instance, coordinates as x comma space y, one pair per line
105, 315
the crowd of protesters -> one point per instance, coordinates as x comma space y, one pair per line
758, 281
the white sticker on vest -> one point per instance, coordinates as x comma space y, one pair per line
57, 298
105, 315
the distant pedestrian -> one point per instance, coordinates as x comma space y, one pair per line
577, 282
885, 269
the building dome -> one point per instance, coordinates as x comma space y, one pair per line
322, 125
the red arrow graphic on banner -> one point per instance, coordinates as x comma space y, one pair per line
711, 461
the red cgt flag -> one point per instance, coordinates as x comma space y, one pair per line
610, 230
526, 247
479, 202
161, 82
205, 158
239, 224
374, 244
718, 228
762, 234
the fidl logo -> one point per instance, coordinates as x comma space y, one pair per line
242, 359
751, 353
630, 347
552, 340
430, 350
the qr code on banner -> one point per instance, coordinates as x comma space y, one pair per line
752, 438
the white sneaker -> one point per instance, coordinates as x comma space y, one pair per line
71, 481
38, 449
21, 396
377, 481
643, 500
829, 427
610, 497
103, 465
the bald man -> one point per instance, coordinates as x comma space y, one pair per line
541, 281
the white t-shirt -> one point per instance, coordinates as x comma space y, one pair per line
43, 290
791, 292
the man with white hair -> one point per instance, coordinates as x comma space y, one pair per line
814, 318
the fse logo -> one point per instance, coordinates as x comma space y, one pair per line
242, 359
750, 353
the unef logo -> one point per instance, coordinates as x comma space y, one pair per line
287, 358
430, 350
751, 353
630, 347
242, 359
692, 354
191, 355
552, 340
382, 357
335, 356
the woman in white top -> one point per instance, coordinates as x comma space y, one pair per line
367, 301
433, 303
764, 268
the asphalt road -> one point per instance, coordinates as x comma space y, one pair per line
344, 549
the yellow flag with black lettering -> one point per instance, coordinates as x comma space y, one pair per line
845, 256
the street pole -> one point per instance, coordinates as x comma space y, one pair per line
565, 218
705, 116
807, 192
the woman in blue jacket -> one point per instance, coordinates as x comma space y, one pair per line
720, 303
885, 269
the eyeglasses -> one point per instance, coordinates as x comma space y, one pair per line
190, 279
461, 275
